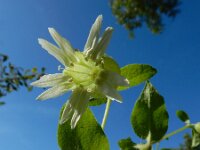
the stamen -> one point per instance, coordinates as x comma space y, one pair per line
60, 68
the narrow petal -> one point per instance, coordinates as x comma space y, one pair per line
67, 113
54, 51
55, 91
50, 80
94, 34
75, 118
103, 43
78, 102
110, 92
63, 44
117, 80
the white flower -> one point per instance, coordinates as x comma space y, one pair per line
84, 73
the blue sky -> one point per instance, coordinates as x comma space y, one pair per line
27, 124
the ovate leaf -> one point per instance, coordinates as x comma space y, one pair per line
137, 73
88, 135
149, 117
183, 116
127, 144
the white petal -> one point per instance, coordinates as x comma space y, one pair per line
75, 118
67, 113
117, 80
103, 43
55, 91
94, 33
50, 80
63, 44
55, 51
79, 102
110, 92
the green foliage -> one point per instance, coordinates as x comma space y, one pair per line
111, 64
149, 115
137, 73
132, 14
12, 77
126, 144
183, 116
88, 135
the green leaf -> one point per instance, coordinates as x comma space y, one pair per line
126, 144
195, 139
111, 64
137, 73
149, 115
88, 135
183, 116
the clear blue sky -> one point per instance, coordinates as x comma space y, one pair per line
27, 124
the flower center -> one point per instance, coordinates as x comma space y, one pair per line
84, 72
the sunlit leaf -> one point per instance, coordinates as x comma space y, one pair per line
88, 135
149, 116
137, 73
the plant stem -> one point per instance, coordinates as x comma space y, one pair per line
177, 131
157, 145
106, 113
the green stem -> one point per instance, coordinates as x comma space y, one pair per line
177, 131
106, 114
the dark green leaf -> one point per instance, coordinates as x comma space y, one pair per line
150, 115
137, 73
88, 135
183, 116
126, 144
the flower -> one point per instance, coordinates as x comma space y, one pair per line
84, 73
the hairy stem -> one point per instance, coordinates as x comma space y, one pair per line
106, 113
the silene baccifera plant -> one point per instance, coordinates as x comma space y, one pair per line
94, 79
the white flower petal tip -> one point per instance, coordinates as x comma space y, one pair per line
55, 91
99, 18
40, 40
109, 29
118, 100
49, 80
51, 30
